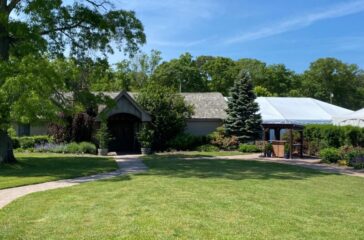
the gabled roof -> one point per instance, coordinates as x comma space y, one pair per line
124, 104
298, 110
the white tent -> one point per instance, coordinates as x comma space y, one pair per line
353, 119
298, 110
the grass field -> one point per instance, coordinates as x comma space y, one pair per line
39, 167
196, 199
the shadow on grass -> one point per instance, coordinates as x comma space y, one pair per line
173, 166
56, 166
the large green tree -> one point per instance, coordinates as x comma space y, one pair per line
243, 119
168, 109
49, 28
330, 79
182, 74
219, 71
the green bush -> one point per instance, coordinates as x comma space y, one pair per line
73, 148
318, 137
58, 149
208, 148
87, 147
249, 148
30, 141
185, 141
145, 137
26, 142
354, 156
222, 141
330, 155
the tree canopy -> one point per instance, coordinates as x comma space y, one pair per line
182, 74
34, 31
168, 109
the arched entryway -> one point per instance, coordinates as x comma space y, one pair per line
123, 128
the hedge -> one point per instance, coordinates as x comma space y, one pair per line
30, 141
185, 141
318, 137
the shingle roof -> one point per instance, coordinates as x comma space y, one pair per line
207, 105
210, 105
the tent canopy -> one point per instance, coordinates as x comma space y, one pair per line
298, 110
353, 119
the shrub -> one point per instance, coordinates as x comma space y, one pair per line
208, 148
169, 112
185, 141
87, 147
330, 155
145, 137
26, 142
222, 141
249, 148
323, 136
30, 141
103, 135
73, 148
268, 147
355, 157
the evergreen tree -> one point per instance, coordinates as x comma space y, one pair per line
243, 119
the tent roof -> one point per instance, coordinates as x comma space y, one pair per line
357, 114
297, 110
354, 119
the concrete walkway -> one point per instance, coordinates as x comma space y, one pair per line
127, 164
308, 163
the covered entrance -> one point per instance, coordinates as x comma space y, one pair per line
123, 128
124, 119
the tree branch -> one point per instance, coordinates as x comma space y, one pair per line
12, 5
69, 27
97, 5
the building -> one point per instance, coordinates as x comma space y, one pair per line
125, 118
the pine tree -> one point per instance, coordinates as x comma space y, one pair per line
243, 119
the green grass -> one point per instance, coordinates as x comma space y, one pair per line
196, 199
189, 154
39, 167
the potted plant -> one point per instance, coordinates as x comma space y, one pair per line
269, 149
145, 138
103, 138
287, 150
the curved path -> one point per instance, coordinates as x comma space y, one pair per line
127, 164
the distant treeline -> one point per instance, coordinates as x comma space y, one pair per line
326, 79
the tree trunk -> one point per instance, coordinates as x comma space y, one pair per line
4, 46
4, 34
6, 148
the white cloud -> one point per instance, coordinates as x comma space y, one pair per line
178, 43
300, 22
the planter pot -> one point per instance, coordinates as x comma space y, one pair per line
286, 155
269, 154
102, 151
146, 151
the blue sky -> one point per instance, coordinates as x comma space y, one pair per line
281, 31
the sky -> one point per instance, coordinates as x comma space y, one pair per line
294, 33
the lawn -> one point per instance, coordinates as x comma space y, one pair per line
40, 167
189, 154
196, 199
